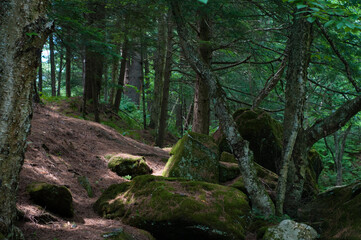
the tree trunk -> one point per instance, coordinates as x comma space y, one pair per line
18, 63
201, 112
106, 84
40, 83
165, 94
340, 143
59, 74
134, 84
143, 52
115, 65
120, 86
158, 73
261, 202
68, 71
299, 57
52, 66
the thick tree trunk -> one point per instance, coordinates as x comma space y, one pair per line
120, 86
67, 71
106, 83
19, 60
52, 66
299, 56
135, 79
201, 112
59, 74
165, 94
158, 73
40, 74
261, 202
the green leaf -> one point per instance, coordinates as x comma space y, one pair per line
203, 1
32, 34
299, 6
311, 19
329, 23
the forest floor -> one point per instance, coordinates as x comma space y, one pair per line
60, 149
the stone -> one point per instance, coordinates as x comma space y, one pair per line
56, 199
171, 208
194, 157
228, 171
288, 229
133, 166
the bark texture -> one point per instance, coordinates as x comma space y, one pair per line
135, 79
18, 63
261, 202
52, 66
201, 111
67, 71
121, 77
299, 57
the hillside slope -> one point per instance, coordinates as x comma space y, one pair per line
59, 150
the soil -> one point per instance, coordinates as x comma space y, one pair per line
59, 150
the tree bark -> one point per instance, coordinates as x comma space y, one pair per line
261, 202
40, 83
123, 63
106, 84
166, 83
134, 85
59, 74
299, 57
115, 65
18, 64
158, 73
201, 112
52, 66
67, 71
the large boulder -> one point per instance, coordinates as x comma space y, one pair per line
336, 213
194, 157
171, 208
56, 199
265, 140
123, 165
288, 229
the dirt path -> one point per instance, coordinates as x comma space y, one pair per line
59, 150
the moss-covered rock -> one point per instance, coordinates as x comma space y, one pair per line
56, 199
336, 213
228, 171
194, 157
228, 157
268, 179
129, 165
172, 208
265, 137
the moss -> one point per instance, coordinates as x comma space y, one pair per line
177, 207
129, 166
120, 234
56, 199
228, 157
2, 237
228, 171
194, 157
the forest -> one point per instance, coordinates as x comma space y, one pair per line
169, 119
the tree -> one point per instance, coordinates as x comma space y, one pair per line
52, 65
261, 202
24, 29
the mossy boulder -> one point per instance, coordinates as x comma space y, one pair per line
228, 171
133, 166
171, 208
56, 199
265, 140
194, 157
228, 157
124, 234
267, 178
336, 213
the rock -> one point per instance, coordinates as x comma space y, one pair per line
228, 157
194, 157
228, 171
56, 199
288, 229
123, 234
335, 214
133, 166
265, 140
267, 178
171, 208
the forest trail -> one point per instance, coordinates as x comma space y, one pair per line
59, 150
